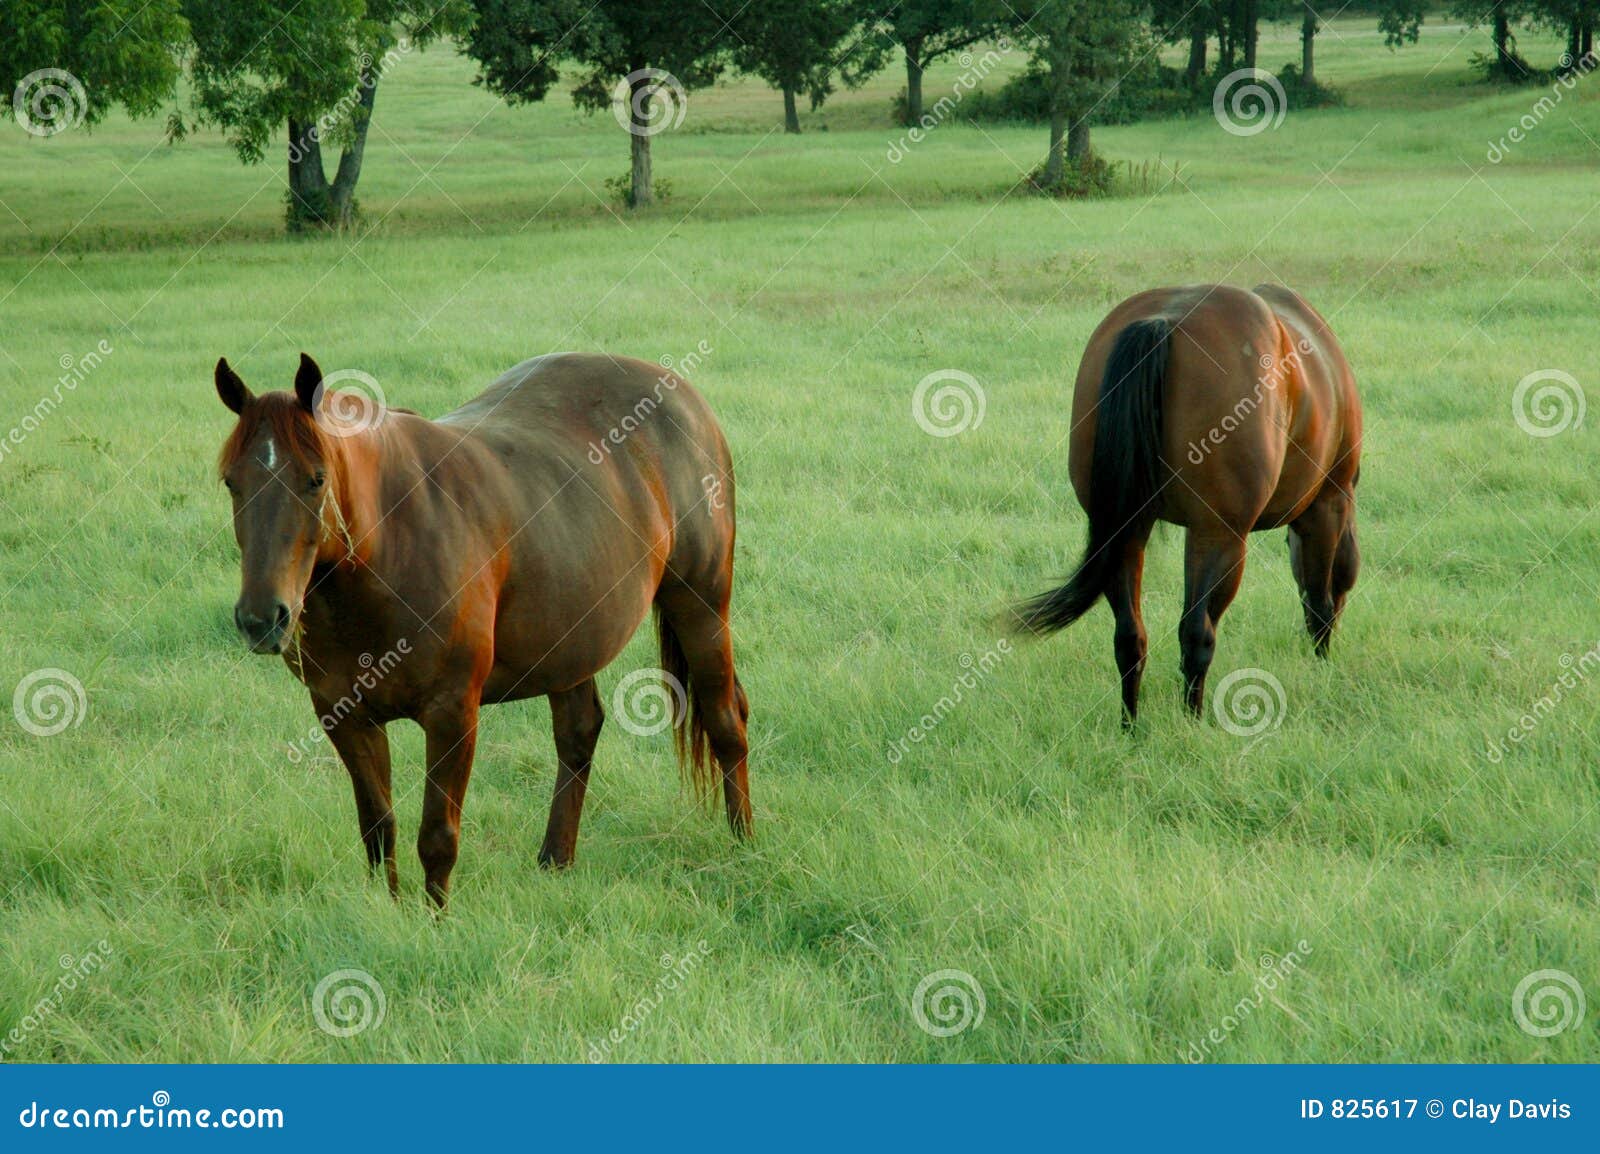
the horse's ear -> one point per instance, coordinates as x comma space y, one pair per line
306, 383
230, 388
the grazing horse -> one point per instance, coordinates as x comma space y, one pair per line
1226, 412
507, 550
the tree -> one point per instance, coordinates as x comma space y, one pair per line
1194, 21
926, 30
1401, 22
1576, 18
802, 45
1079, 49
312, 67
1501, 16
67, 62
646, 53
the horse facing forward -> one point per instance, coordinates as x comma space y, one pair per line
507, 550
1226, 412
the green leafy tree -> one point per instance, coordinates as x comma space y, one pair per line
640, 58
927, 30
1079, 48
804, 46
311, 67
1401, 22
1502, 17
67, 62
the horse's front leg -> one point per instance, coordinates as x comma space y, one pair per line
363, 746
452, 735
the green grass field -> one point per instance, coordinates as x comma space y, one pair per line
1113, 898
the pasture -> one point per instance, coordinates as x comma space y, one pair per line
1115, 898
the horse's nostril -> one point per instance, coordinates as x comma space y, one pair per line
281, 617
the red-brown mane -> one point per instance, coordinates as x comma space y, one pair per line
292, 428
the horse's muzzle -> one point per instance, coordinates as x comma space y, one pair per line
264, 634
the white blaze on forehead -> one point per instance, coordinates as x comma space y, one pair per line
269, 456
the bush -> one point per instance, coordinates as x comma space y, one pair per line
1302, 93
1149, 92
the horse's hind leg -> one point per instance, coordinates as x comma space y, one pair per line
1131, 640
700, 624
1322, 553
1213, 563
577, 716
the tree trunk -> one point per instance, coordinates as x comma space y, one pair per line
1502, 42
1055, 166
1078, 140
1197, 56
1251, 30
791, 116
1574, 41
1225, 45
914, 81
344, 180
1588, 37
308, 186
640, 192
314, 201
1308, 43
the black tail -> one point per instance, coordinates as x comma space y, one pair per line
1125, 477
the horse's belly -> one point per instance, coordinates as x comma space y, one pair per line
538, 652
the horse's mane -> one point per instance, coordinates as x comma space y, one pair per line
293, 430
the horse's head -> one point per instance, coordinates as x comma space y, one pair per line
280, 469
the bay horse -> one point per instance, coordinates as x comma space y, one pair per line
1226, 412
507, 550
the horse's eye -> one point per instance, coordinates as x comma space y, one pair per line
316, 481
228, 484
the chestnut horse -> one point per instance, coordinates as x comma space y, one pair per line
507, 550
1226, 412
